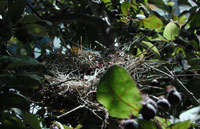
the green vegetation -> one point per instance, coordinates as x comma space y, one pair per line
145, 34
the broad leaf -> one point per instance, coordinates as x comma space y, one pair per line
171, 31
13, 100
29, 80
18, 61
118, 93
152, 22
106, 1
29, 19
180, 125
160, 4
192, 114
32, 120
151, 47
125, 7
144, 124
36, 30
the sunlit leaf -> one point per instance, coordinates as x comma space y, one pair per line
171, 31
159, 4
36, 30
106, 1
151, 47
180, 125
118, 93
125, 7
152, 22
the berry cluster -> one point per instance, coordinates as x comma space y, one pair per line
150, 107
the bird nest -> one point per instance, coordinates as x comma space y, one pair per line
69, 92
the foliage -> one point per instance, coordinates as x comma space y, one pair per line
147, 29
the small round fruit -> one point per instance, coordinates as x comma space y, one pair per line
163, 104
148, 111
129, 124
174, 97
152, 102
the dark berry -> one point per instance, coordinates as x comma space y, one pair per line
152, 102
148, 111
129, 124
163, 104
174, 97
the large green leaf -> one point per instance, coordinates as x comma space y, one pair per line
171, 31
106, 1
160, 4
153, 22
181, 125
191, 114
118, 93
29, 19
36, 30
32, 120
17, 61
151, 47
29, 80
15, 9
144, 124
13, 100
125, 7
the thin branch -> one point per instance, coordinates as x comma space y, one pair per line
64, 114
183, 86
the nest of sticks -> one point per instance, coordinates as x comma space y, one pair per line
69, 92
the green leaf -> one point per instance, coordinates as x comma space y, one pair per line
36, 30
144, 124
18, 61
150, 46
15, 9
29, 80
180, 125
171, 31
106, 1
32, 120
152, 22
194, 21
29, 19
13, 100
11, 121
160, 4
192, 114
125, 7
118, 93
